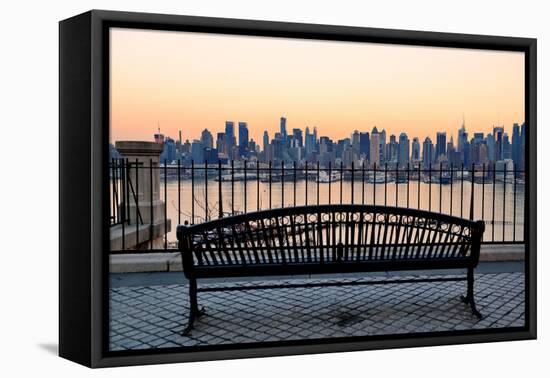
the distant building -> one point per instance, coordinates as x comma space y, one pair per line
297, 140
266, 140
243, 139
206, 139
159, 138
243, 135
415, 155
197, 152
462, 137
427, 153
277, 149
392, 149
220, 142
498, 135
375, 148
506, 147
483, 154
403, 151
309, 142
283, 127
229, 138
523, 137
211, 155
491, 147
364, 144
382, 147
186, 147
169, 151
356, 141
516, 144
441, 144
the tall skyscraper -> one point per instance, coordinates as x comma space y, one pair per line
403, 151
392, 149
186, 148
315, 138
266, 140
382, 147
462, 136
309, 142
506, 147
220, 142
498, 134
516, 144
415, 155
375, 147
356, 141
364, 144
483, 154
206, 139
243, 135
427, 153
441, 144
297, 139
169, 151
277, 148
197, 151
229, 138
450, 148
283, 127
491, 147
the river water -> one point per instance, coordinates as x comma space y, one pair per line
503, 212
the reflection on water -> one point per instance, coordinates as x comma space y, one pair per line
505, 208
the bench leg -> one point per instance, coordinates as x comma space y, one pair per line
469, 298
194, 311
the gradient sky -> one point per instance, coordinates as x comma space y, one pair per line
192, 81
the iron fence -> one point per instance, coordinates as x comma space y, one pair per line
201, 192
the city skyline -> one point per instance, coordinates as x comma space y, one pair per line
370, 147
192, 81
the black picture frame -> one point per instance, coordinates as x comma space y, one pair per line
84, 199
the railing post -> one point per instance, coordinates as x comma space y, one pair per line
352, 181
179, 191
504, 204
206, 214
220, 197
282, 184
472, 194
151, 207
232, 187
165, 205
329, 181
270, 182
245, 185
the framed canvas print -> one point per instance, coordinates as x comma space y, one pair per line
234, 188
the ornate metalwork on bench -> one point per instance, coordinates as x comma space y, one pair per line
328, 239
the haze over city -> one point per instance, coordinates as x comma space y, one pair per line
191, 82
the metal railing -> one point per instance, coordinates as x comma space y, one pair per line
201, 192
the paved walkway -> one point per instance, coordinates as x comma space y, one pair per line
144, 317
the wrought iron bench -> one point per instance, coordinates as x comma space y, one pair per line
328, 239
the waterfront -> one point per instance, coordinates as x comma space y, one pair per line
503, 212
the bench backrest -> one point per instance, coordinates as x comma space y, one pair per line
328, 234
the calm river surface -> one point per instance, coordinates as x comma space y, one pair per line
505, 207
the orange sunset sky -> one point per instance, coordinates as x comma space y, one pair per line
192, 81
